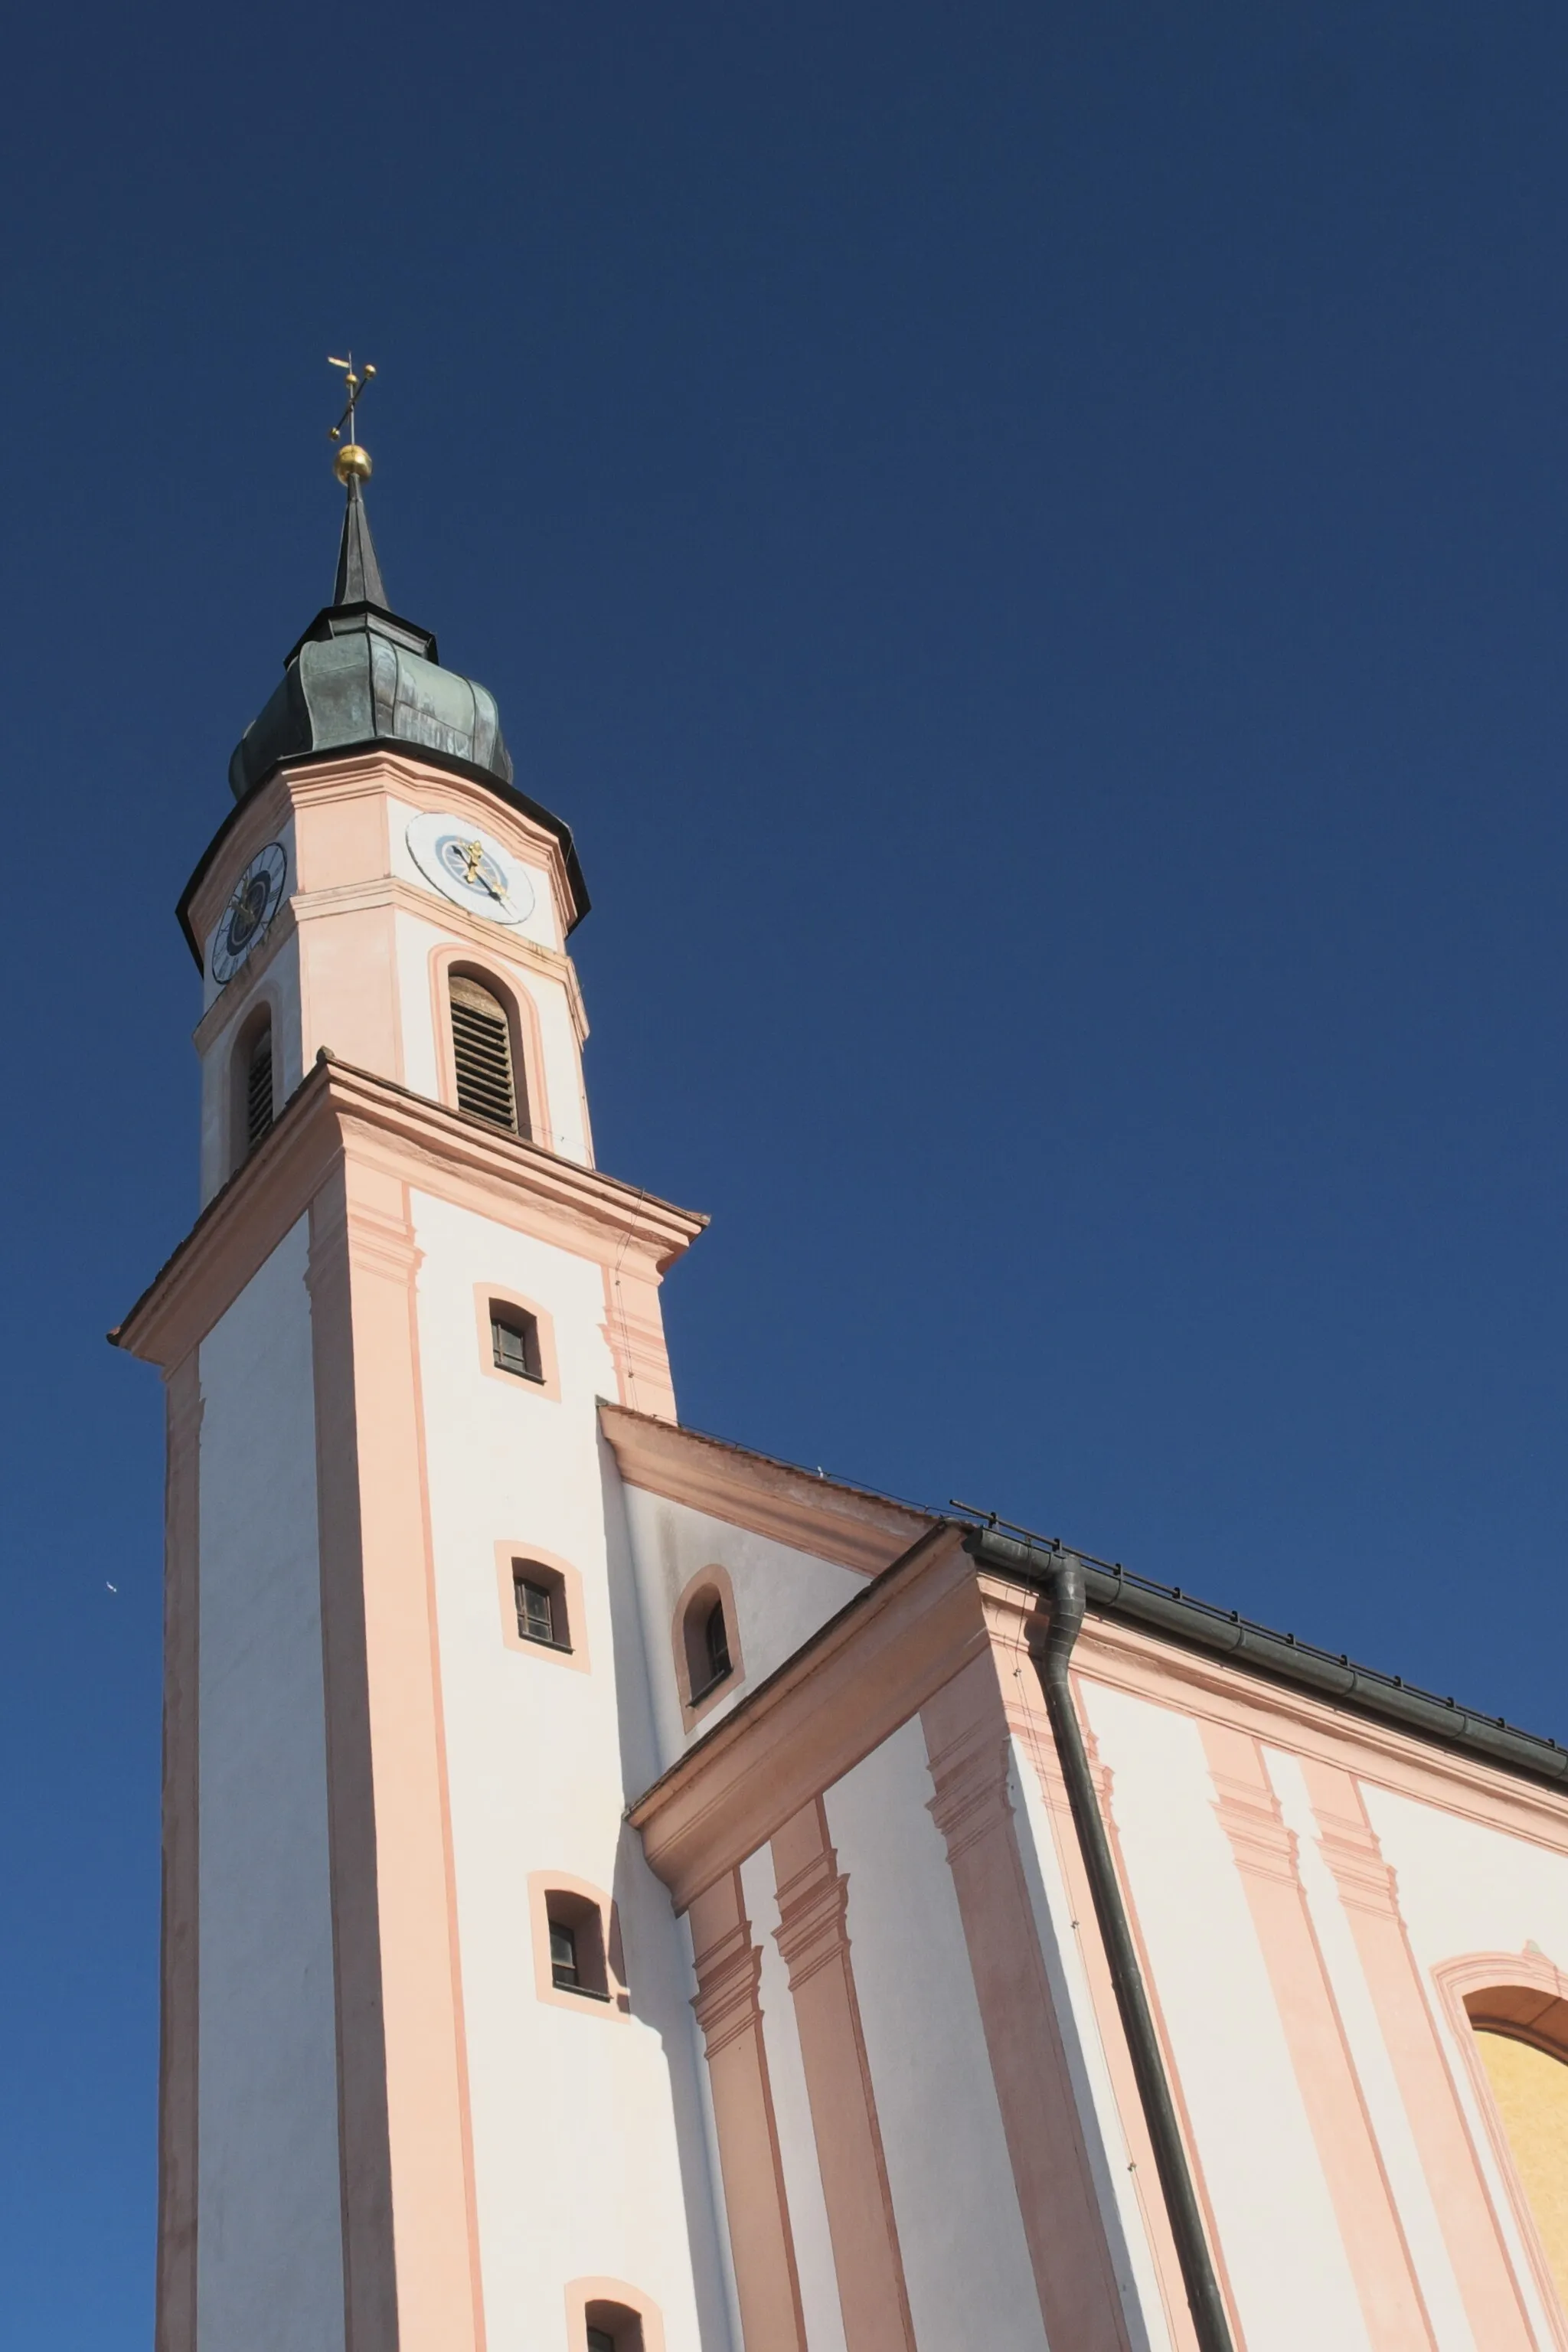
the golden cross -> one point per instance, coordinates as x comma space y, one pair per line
355, 386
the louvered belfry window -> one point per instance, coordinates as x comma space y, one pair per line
259, 1089
481, 1047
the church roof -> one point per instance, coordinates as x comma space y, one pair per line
362, 675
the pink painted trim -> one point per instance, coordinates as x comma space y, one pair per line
549, 1384
1024, 1702
1264, 1850
1520, 1994
965, 1731
518, 1186
406, 2140
728, 1966
634, 1333
821, 1516
711, 1583
510, 1555
522, 1018
541, 1885
584, 2292
812, 1935
179, 2030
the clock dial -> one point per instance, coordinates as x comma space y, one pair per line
245, 921
471, 868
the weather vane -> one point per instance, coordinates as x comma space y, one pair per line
351, 463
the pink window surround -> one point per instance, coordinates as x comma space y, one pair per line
698, 1595
583, 1905
489, 1296
1521, 1994
611, 2304
512, 1556
523, 1019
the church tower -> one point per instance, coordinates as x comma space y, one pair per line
407, 2098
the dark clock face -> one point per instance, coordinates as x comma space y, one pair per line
245, 920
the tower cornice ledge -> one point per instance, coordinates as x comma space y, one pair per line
341, 1113
854, 1526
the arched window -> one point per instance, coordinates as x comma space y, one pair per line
1522, 2040
483, 1059
705, 1638
251, 1085
612, 2327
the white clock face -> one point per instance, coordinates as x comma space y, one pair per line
243, 923
471, 868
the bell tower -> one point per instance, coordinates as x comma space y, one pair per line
429, 2077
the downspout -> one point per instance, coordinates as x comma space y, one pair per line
1062, 1576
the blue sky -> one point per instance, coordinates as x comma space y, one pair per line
1031, 544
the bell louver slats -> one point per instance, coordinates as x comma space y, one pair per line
481, 1048
258, 1091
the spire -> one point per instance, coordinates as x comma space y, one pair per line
359, 580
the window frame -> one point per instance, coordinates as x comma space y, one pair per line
1524, 1997
557, 1898
711, 1585
631, 2319
570, 1612
506, 986
259, 1017
487, 1296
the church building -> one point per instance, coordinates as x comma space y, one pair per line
625, 1894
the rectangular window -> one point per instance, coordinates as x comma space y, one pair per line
563, 1957
540, 1608
514, 1336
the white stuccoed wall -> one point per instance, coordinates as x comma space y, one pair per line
1122, 2194
782, 1596
269, 2241
590, 2152
1385, 2106
966, 2262
1287, 2262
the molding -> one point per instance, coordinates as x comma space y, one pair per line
865, 1672
1530, 1990
847, 1525
343, 771
341, 1112
714, 1579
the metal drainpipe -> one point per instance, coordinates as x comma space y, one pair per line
1062, 1576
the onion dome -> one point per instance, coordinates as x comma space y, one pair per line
361, 675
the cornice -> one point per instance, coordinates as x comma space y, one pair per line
367, 768
849, 1525
1147, 1665
391, 890
341, 1112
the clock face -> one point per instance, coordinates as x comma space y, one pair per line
471, 868
243, 924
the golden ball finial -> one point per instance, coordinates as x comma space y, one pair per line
351, 463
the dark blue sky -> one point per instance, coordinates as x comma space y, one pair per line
1031, 543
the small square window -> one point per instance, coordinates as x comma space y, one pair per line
539, 1595
515, 1337
535, 1610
